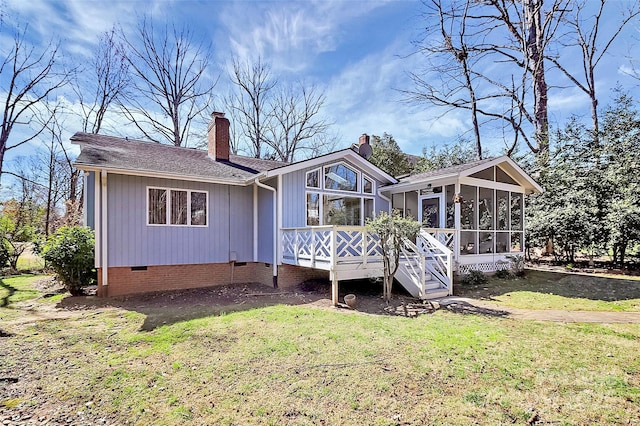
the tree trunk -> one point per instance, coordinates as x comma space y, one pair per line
535, 58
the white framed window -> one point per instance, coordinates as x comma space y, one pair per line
338, 194
340, 177
313, 178
177, 207
367, 185
313, 209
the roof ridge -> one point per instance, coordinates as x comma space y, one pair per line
126, 139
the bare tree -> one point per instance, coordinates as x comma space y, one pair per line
276, 120
452, 59
103, 82
295, 121
585, 34
478, 37
247, 104
169, 89
29, 78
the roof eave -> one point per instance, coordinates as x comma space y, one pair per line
161, 175
336, 155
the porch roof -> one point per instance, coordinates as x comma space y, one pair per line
462, 170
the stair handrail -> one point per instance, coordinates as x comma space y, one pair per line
409, 249
442, 270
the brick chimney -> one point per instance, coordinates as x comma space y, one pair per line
364, 139
218, 137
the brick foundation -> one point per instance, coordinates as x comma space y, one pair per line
126, 280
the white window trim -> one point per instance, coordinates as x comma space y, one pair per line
168, 219
373, 184
306, 216
321, 195
306, 179
347, 165
363, 219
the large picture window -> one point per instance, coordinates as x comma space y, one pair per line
339, 177
178, 207
327, 203
340, 210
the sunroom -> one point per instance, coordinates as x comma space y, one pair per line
475, 209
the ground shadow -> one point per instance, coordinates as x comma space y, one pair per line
566, 284
4, 301
168, 307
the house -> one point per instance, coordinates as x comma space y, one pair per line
172, 218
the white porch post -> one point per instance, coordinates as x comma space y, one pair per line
255, 223
279, 216
103, 232
97, 217
457, 225
334, 276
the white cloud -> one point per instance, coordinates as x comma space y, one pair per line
290, 34
364, 98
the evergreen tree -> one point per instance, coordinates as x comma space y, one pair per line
388, 156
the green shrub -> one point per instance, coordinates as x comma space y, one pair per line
474, 277
517, 264
503, 274
70, 253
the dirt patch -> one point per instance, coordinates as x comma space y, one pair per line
168, 307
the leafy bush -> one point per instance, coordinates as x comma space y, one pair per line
474, 277
70, 252
517, 264
503, 274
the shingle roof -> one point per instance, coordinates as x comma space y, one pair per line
446, 171
99, 151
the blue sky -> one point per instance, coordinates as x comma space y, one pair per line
357, 51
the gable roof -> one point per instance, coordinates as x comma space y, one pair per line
467, 169
344, 154
136, 157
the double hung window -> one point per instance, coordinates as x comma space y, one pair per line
178, 207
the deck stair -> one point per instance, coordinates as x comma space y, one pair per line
425, 269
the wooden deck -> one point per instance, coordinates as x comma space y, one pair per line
352, 252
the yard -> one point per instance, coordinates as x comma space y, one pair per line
247, 356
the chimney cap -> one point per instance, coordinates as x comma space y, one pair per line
217, 114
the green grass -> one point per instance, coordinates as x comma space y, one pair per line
18, 288
554, 290
299, 365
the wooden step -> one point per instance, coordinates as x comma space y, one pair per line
431, 284
437, 293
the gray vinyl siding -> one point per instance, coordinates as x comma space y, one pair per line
134, 243
294, 198
265, 226
241, 222
89, 204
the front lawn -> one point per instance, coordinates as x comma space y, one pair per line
305, 365
564, 291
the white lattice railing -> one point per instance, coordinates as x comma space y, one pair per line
446, 237
439, 258
324, 246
